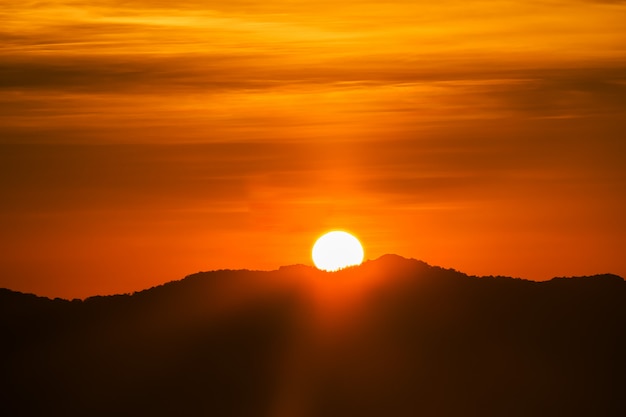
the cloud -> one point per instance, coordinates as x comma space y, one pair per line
126, 73
570, 92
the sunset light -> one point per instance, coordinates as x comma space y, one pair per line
482, 135
337, 250
295, 208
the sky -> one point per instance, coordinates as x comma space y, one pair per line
142, 141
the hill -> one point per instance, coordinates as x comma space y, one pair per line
392, 337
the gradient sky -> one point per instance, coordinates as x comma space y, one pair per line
142, 140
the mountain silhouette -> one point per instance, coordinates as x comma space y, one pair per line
391, 337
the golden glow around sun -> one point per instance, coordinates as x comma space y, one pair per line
336, 250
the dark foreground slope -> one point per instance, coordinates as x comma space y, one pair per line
421, 341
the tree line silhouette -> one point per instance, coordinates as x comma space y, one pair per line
427, 341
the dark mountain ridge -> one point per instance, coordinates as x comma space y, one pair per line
404, 338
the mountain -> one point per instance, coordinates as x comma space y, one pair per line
392, 337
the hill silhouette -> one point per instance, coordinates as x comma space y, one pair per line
392, 337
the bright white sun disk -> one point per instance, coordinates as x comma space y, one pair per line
336, 250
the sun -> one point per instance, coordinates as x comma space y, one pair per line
336, 250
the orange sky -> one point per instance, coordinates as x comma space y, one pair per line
141, 141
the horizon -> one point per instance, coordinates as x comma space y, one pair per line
318, 271
143, 140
